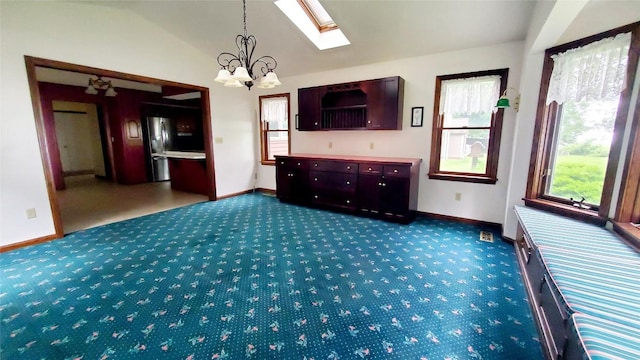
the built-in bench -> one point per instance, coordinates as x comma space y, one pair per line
570, 267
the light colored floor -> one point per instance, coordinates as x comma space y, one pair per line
88, 202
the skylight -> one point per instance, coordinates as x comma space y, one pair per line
314, 21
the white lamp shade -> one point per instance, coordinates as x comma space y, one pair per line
233, 83
241, 74
111, 92
91, 90
272, 79
264, 84
223, 76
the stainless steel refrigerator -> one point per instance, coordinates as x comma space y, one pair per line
159, 140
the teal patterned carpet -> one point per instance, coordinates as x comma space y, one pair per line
252, 278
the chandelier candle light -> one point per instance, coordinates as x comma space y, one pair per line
238, 69
95, 84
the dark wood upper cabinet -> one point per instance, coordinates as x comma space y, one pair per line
361, 105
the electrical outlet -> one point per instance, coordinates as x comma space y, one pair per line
31, 213
219, 140
458, 196
330, 144
371, 146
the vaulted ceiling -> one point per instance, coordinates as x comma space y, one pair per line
378, 30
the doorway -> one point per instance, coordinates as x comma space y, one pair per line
53, 155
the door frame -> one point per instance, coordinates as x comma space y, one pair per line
44, 142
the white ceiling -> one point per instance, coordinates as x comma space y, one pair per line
378, 30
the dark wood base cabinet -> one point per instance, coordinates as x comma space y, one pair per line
384, 188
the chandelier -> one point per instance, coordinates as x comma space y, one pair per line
240, 68
98, 83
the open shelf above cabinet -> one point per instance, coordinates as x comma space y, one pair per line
364, 105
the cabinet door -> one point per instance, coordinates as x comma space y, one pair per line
384, 103
291, 180
309, 109
395, 197
369, 193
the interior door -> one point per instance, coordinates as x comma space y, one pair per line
75, 141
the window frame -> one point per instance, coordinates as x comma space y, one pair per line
495, 133
546, 118
264, 133
628, 207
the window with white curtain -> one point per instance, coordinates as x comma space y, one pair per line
274, 127
467, 126
579, 137
583, 97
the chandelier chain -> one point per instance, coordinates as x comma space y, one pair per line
244, 18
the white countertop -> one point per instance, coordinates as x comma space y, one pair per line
182, 155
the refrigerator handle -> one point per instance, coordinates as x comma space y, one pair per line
164, 136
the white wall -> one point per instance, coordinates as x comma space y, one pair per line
112, 39
479, 201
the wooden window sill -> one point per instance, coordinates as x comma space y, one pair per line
590, 216
268, 162
480, 179
629, 232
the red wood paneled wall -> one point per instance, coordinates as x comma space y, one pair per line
120, 114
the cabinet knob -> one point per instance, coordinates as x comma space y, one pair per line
315, 179
395, 170
379, 184
348, 201
281, 162
315, 123
383, 184
348, 182
369, 122
298, 164
348, 167
315, 196
316, 164
369, 169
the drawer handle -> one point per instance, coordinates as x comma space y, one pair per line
395, 170
348, 182
379, 184
348, 167
316, 164
315, 196
315, 123
369, 169
383, 184
315, 179
298, 164
348, 201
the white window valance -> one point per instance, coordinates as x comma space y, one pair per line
593, 72
469, 95
275, 112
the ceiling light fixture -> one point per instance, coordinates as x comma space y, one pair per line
239, 69
95, 84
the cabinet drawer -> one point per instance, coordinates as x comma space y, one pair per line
397, 171
337, 199
292, 163
373, 169
333, 181
336, 166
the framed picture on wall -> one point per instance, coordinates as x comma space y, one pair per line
416, 116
